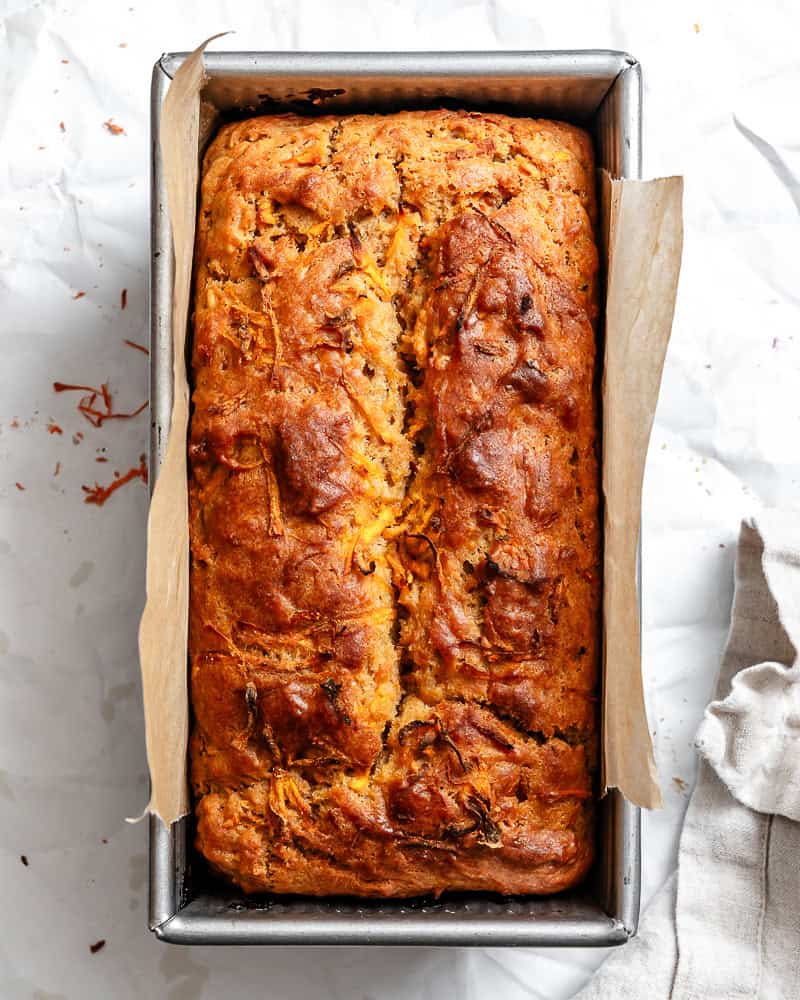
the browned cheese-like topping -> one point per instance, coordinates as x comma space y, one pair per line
394, 505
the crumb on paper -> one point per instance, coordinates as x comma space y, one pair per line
123, 45
113, 128
774, 343
20, 487
722, 545
98, 494
696, 28
14, 424
65, 61
94, 948
90, 403
24, 859
53, 428
680, 784
41, 147
104, 840
77, 437
101, 458
57, 469
138, 347
78, 295
123, 298
62, 126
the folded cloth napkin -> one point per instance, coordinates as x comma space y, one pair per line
726, 925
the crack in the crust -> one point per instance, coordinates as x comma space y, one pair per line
573, 736
398, 307
401, 180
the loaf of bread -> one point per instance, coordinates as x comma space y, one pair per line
394, 505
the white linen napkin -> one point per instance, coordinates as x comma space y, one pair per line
726, 925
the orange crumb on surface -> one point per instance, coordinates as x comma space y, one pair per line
91, 403
98, 494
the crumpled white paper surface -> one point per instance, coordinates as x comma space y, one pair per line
721, 88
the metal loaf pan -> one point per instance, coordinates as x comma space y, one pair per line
599, 89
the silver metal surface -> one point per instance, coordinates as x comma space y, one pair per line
600, 89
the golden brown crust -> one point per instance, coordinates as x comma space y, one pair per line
393, 505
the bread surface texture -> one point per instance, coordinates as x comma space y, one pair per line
393, 501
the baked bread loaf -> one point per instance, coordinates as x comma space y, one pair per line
394, 505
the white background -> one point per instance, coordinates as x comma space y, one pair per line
721, 97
